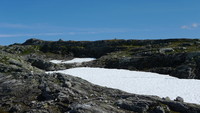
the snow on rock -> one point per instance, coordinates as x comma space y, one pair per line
56, 61
75, 60
140, 82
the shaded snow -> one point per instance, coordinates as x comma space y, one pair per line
140, 82
75, 60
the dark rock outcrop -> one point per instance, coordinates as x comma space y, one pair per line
176, 57
58, 93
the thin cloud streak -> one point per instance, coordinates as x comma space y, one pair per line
54, 34
9, 25
60, 30
22, 35
70, 30
45, 34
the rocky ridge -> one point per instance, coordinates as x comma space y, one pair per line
26, 88
176, 57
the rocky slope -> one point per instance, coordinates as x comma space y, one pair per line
25, 88
58, 93
176, 57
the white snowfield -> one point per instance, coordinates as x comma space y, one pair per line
75, 60
140, 82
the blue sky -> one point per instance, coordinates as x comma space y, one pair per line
98, 19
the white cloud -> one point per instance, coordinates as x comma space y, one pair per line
185, 27
37, 34
191, 26
194, 25
81, 33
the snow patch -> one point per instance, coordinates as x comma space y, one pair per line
75, 60
145, 83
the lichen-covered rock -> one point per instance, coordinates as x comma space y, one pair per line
46, 93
